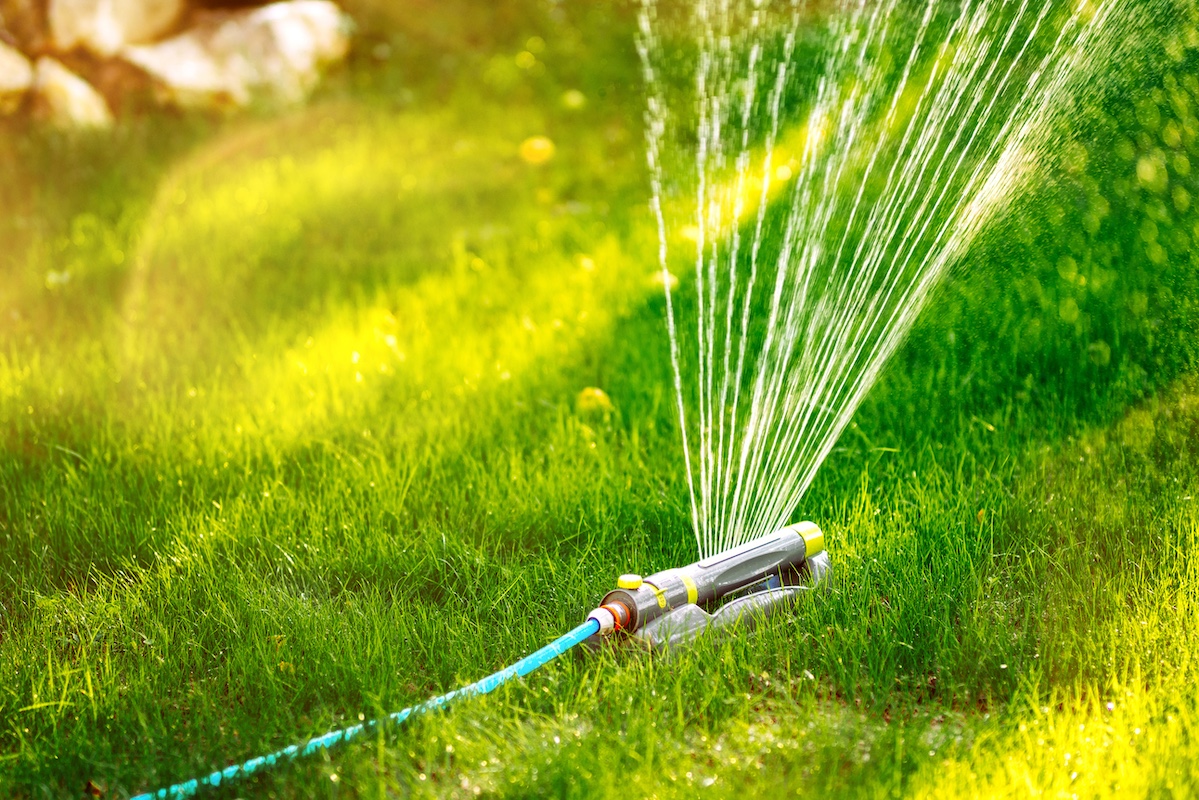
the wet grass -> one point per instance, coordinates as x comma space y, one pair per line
287, 407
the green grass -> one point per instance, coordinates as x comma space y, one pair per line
296, 442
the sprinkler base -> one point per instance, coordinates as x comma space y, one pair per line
743, 613
733, 589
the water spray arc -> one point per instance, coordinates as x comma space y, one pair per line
665, 609
815, 172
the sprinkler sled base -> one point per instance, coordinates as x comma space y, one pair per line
682, 625
734, 589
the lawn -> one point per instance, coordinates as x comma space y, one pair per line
289, 438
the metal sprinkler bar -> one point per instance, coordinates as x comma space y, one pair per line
676, 605
668, 607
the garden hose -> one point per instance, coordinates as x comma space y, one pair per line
663, 609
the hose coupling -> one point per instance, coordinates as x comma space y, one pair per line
611, 617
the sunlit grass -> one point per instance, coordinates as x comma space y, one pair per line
303, 429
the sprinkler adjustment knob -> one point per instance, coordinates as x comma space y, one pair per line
629, 581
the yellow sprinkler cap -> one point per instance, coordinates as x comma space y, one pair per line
813, 538
629, 581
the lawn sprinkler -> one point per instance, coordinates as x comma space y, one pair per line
729, 590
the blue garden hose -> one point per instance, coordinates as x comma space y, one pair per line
292, 752
669, 600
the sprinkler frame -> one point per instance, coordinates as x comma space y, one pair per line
676, 605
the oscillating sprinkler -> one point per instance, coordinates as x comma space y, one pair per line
735, 588
756, 579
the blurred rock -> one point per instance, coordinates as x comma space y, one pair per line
67, 100
23, 24
16, 78
105, 26
125, 87
274, 52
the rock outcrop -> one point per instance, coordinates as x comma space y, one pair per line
23, 24
79, 59
105, 26
16, 78
67, 100
274, 52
